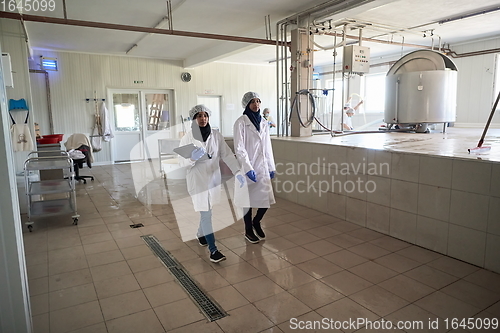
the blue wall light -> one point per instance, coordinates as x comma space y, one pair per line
49, 64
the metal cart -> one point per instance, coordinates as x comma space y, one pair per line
51, 196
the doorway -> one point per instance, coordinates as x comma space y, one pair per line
213, 104
137, 116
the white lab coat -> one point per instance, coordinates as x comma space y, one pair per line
254, 152
204, 177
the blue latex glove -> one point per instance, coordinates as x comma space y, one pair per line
197, 153
272, 174
251, 174
241, 179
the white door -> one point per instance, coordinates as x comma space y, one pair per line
213, 104
127, 126
138, 117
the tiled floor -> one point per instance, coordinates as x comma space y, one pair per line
99, 276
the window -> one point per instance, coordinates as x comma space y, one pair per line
374, 101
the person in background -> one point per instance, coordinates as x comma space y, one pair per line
268, 118
203, 173
252, 146
349, 111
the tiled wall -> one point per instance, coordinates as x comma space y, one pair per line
451, 206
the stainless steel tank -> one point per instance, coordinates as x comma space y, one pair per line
421, 89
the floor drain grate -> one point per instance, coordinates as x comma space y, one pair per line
209, 308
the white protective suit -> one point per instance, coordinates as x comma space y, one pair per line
204, 177
254, 152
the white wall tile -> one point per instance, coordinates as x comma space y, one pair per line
305, 152
291, 151
337, 155
338, 183
403, 225
320, 153
355, 186
404, 195
432, 234
382, 193
278, 148
405, 167
356, 211
471, 176
303, 197
467, 244
495, 180
357, 158
337, 205
492, 260
434, 202
435, 171
378, 217
382, 160
320, 202
469, 210
494, 216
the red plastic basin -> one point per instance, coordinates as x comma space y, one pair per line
59, 137
44, 140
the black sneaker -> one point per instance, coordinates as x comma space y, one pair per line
258, 230
251, 238
202, 240
217, 256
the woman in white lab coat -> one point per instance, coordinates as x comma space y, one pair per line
252, 146
203, 173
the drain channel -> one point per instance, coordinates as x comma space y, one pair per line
208, 307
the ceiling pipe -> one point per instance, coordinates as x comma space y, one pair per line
367, 39
464, 16
327, 8
111, 26
64, 9
453, 54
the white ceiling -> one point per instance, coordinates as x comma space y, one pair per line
247, 19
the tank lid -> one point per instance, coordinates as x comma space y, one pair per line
422, 60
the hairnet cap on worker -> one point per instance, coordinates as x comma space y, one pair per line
248, 97
199, 108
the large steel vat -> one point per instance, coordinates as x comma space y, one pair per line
421, 89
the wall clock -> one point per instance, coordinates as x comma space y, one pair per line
186, 77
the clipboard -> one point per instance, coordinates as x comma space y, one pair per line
187, 150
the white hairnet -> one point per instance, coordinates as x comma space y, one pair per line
199, 108
248, 97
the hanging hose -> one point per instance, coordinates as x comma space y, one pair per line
313, 103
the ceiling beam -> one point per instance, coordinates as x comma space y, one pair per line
100, 25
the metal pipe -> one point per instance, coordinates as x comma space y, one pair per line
99, 25
461, 17
343, 84
345, 5
64, 9
47, 91
367, 39
453, 54
286, 78
277, 83
333, 83
169, 15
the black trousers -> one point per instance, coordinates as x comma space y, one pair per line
247, 218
